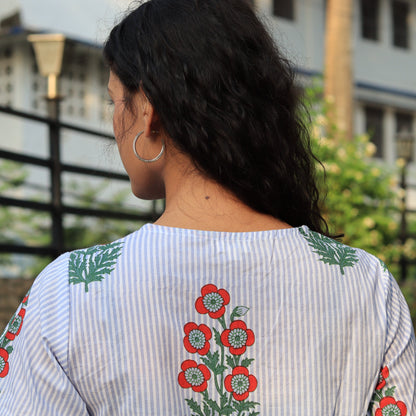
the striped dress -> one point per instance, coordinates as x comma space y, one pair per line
179, 322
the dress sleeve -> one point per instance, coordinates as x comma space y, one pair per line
34, 351
395, 389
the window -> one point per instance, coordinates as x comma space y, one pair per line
370, 19
404, 124
284, 8
374, 127
400, 14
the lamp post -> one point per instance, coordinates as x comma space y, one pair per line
49, 50
404, 142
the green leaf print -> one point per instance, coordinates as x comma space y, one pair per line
93, 264
211, 361
244, 406
330, 251
246, 362
207, 411
390, 391
238, 312
195, 407
383, 266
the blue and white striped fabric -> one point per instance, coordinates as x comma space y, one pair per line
169, 321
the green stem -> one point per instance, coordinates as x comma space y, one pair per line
222, 374
216, 385
4, 342
222, 322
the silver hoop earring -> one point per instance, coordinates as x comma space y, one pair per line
141, 158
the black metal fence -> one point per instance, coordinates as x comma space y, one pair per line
56, 209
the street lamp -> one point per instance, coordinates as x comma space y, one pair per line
49, 51
404, 143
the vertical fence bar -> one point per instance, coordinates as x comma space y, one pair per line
56, 175
403, 222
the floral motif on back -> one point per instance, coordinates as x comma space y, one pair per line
383, 398
220, 352
9, 335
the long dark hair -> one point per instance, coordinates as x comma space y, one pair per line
226, 96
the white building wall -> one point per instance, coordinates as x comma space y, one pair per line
302, 39
384, 75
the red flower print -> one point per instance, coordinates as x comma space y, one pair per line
389, 407
240, 383
384, 373
16, 325
4, 365
237, 337
194, 376
212, 301
197, 337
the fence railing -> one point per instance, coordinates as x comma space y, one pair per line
56, 209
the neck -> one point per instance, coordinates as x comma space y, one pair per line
196, 202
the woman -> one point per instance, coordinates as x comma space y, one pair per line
234, 302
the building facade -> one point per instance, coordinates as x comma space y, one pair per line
384, 60
384, 68
82, 85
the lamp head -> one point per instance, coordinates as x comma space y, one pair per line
49, 51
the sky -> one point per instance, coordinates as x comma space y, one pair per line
89, 20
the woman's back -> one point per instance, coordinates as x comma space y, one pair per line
176, 321
227, 321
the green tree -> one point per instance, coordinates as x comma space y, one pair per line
363, 196
12, 178
33, 228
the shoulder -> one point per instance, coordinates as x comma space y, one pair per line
336, 255
81, 267
94, 264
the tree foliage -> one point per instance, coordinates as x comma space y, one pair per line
28, 227
362, 193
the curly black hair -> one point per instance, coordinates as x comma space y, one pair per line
227, 98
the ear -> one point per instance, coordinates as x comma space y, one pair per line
150, 118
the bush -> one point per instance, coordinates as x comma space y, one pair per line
363, 198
